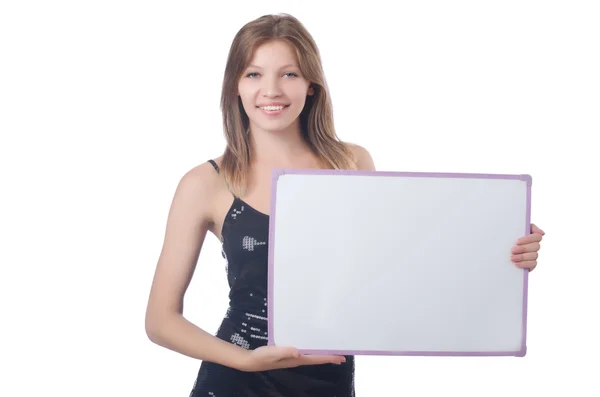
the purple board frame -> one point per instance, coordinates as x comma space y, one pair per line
277, 172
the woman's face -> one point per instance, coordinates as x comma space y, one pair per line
272, 88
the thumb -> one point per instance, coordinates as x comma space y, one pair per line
289, 352
536, 229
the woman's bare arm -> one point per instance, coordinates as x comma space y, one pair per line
187, 225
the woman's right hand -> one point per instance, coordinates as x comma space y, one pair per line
266, 358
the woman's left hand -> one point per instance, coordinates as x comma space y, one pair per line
525, 252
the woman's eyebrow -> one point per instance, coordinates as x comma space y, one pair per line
283, 67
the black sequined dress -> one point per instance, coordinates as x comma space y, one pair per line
245, 248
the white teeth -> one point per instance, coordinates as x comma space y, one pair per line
272, 107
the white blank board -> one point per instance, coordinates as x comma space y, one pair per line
391, 263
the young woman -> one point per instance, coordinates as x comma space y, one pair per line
277, 114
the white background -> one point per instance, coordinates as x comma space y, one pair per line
105, 105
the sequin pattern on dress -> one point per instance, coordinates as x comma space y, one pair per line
248, 243
235, 212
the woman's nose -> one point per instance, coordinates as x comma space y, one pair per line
271, 87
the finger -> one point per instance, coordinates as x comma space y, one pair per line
535, 229
310, 359
527, 265
528, 256
521, 249
531, 238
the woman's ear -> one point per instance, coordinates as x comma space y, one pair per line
311, 90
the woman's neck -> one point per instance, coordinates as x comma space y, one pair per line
281, 149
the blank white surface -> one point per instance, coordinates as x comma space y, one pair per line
395, 264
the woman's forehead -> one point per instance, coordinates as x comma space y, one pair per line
274, 54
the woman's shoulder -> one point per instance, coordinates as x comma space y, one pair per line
362, 157
200, 185
203, 176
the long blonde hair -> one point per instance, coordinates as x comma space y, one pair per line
316, 119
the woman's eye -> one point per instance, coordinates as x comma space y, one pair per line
254, 74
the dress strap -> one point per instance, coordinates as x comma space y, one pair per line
214, 165
218, 171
